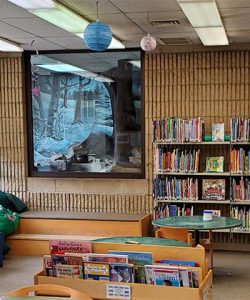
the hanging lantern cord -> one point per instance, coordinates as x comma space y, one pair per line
97, 11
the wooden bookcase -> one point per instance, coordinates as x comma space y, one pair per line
97, 289
206, 149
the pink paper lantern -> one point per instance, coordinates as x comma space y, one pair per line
148, 43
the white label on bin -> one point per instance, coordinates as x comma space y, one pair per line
118, 291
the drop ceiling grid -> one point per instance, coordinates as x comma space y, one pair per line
38, 27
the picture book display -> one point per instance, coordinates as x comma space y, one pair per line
213, 189
215, 164
218, 132
124, 267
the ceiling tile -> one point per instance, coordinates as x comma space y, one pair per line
88, 7
73, 42
146, 5
232, 3
37, 26
124, 25
10, 10
143, 21
12, 32
40, 44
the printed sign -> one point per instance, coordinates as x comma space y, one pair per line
118, 291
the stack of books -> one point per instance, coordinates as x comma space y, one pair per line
179, 130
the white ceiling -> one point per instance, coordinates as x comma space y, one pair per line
129, 20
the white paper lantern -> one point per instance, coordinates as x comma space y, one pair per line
148, 43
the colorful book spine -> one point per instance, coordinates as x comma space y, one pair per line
240, 130
179, 130
163, 210
176, 161
239, 161
169, 188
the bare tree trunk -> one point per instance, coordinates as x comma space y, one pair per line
53, 106
41, 112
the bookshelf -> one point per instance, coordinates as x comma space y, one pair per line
169, 148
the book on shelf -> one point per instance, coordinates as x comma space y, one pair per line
218, 132
73, 246
176, 160
240, 189
240, 130
172, 188
213, 189
239, 161
243, 214
163, 211
179, 130
215, 164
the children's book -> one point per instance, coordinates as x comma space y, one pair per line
47, 265
173, 262
122, 272
73, 246
68, 271
215, 164
109, 258
168, 277
96, 271
218, 132
139, 260
213, 189
65, 260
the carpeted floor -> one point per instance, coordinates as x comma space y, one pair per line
18, 271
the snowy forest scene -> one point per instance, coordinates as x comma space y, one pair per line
74, 128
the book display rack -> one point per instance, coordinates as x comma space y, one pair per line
194, 171
97, 289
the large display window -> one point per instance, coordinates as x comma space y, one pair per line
85, 114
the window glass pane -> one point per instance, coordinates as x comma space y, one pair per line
86, 113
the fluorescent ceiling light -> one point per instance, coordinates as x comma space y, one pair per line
212, 36
203, 15
34, 4
7, 46
62, 17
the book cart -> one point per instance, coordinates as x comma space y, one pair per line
97, 289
